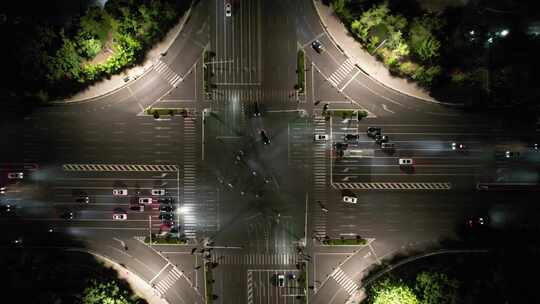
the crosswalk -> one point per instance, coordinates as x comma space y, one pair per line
119, 168
300, 138
164, 70
344, 281
393, 186
163, 285
344, 69
257, 259
189, 185
320, 176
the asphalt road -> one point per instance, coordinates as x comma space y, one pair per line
257, 202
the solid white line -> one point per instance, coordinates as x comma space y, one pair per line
349, 81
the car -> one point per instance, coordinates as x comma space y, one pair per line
406, 162
350, 199
264, 137
3, 189
321, 137
145, 200
119, 216
373, 131
281, 280
228, 9
317, 46
381, 139
15, 175
256, 109
166, 216
158, 192
458, 146
83, 199
351, 137
341, 146
68, 215
388, 146
120, 192
139, 208
165, 200
511, 154
476, 222
535, 147
7, 208
166, 208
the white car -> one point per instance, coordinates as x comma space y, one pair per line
321, 137
158, 192
281, 280
145, 200
15, 175
119, 216
228, 9
406, 162
350, 199
120, 192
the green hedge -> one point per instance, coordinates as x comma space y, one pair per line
165, 240
300, 71
345, 241
208, 284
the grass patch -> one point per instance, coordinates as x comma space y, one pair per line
358, 241
165, 240
300, 86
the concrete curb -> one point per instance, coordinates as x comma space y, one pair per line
139, 286
146, 67
325, 27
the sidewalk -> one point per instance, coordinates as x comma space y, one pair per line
138, 285
351, 48
116, 82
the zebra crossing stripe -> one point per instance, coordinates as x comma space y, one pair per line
344, 69
171, 76
250, 287
393, 186
344, 281
119, 168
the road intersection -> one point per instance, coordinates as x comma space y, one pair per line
260, 207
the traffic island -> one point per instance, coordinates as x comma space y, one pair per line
300, 68
209, 282
358, 241
303, 281
346, 114
157, 112
165, 240
207, 73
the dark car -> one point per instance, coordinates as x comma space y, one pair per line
476, 222
351, 137
166, 208
166, 216
165, 200
460, 147
373, 131
341, 146
317, 46
83, 199
381, 139
68, 215
256, 109
264, 137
